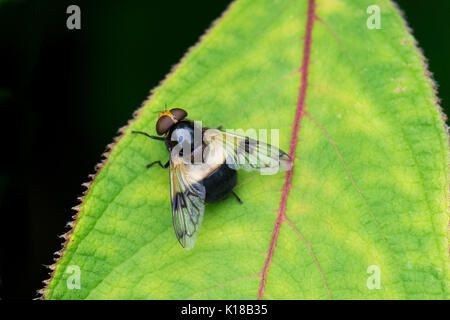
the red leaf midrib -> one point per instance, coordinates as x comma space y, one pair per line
293, 145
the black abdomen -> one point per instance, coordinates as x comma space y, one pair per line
219, 183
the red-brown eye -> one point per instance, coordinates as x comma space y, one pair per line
163, 125
179, 114
167, 119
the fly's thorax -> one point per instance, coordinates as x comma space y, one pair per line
180, 138
203, 158
185, 140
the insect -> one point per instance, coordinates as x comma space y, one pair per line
214, 176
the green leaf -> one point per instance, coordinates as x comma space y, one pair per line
367, 198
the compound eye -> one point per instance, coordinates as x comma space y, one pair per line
178, 113
163, 125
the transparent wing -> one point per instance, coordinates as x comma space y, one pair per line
188, 203
247, 153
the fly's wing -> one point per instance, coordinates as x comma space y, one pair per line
247, 153
188, 203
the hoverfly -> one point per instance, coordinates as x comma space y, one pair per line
212, 178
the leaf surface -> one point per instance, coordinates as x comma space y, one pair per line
363, 214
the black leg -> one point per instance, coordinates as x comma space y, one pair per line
219, 127
152, 137
160, 164
237, 198
155, 138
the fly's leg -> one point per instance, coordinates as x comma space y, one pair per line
147, 135
160, 164
154, 138
219, 127
236, 196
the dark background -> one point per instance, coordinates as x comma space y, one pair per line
64, 93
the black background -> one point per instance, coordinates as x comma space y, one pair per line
64, 93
